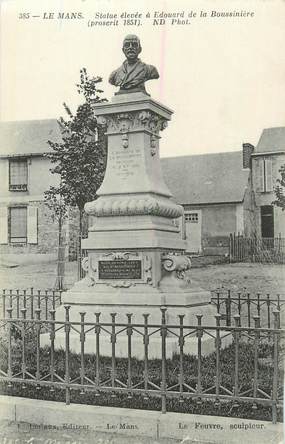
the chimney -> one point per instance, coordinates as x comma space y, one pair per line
247, 150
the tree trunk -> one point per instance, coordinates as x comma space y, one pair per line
59, 283
79, 252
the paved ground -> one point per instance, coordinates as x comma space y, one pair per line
252, 277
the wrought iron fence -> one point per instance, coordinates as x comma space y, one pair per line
226, 301
254, 249
81, 273
25, 361
30, 300
247, 306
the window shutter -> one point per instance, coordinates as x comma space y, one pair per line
32, 225
268, 169
259, 175
3, 225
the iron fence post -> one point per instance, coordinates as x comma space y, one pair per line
9, 357
268, 311
199, 335
38, 342
24, 368
236, 346
11, 299
46, 304
53, 299
67, 355
181, 342
32, 306
129, 334
278, 303
113, 343
97, 333
32, 303
239, 304
258, 305
25, 299
275, 383
39, 299
255, 346
248, 310
228, 308
163, 359
218, 302
82, 346
145, 342
218, 349
52, 339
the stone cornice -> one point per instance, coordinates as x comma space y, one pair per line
138, 120
133, 206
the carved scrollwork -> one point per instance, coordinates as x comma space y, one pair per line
173, 262
153, 144
102, 120
85, 264
178, 271
148, 269
118, 255
151, 121
125, 140
135, 120
178, 265
121, 122
144, 116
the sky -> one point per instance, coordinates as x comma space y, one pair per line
224, 78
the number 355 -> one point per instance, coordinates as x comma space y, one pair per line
24, 15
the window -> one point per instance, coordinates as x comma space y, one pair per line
18, 174
191, 217
265, 175
18, 225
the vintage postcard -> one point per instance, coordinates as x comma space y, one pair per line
142, 234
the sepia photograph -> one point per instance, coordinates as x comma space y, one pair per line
142, 228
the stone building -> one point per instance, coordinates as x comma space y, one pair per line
26, 225
266, 160
221, 193
213, 205
229, 192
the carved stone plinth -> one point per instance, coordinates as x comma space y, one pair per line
135, 261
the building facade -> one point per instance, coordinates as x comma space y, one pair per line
229, 193
221, 193
214, 205
27, 228
266, 160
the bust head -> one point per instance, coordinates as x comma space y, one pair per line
131, 47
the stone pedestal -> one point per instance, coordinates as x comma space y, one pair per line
135, 260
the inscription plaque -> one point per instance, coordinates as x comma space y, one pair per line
120, 269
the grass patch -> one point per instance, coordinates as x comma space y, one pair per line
243, 409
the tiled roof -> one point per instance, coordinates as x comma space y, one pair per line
271, 139
28, 136
206, 178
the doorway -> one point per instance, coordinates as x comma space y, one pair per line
267, 221
193, 224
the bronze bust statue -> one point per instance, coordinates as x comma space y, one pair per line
133, 73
